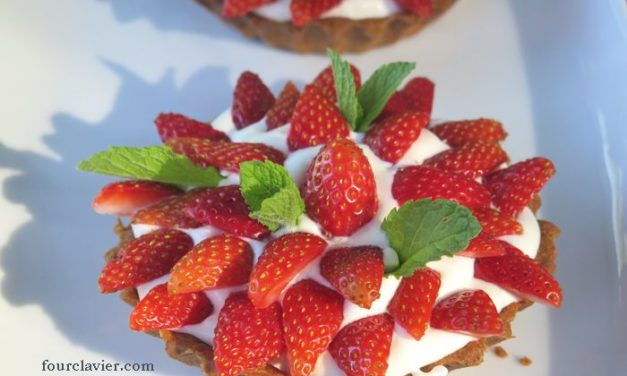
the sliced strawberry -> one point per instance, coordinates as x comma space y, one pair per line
220, 261
483, 245
471, 159
521, 275
413, 301
238, 8
397, 104
495, 223
312, 315
143, 259
168, 213
513, 187
325, 82
416, 96
280, 261
422, 8
315, 121
246, 338
176, 125
305, 11
251, 100
282, 110
160, 310
223, 155
460, 132
470, 312
391, 138
356, 272
225, 208
363, 346
126, 197
417, 182
340, 192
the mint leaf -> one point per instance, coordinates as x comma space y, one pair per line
345, 89
155, 163
376, 92
425, 230
271, 194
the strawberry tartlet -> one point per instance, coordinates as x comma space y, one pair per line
315, 25
333, 230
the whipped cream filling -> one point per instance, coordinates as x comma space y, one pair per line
353, 9
407, 355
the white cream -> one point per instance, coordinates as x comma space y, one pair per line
353, 9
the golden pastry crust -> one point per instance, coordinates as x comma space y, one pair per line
340, 34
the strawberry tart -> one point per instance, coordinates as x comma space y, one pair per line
333, 230
315, 25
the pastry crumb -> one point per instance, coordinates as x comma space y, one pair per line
500, 352
525, 361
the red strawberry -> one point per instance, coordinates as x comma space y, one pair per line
246, 338
470, 312
126, 197
168, 213
521, 275
237, 8
340, 191
391, 138
305, 11
397, 104
280, 261
225, 208
160, 310
422, 8
325, 82
176, 125
282, 110
483, 245
315, 121
363, 346
251, 100
513, 187
472, 159
417, 96
495, 223
312, 315
413, 301
143, 259
510, 250
223, 155
220, 261
460, 132
356, 272
417, 182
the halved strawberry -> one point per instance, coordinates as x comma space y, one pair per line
417, 182
143, 259
251, 100
225, 208
483, 245
391, 138
160, 310
220, 261
413, 301
511, 250
246, 338
422, 8
363, 346
513, 187
281, 112
316, 120
237, 8
312, 315
356, 272
522, 276
176, 125
496, 223
325, 82
168, 213
223, 155
460, 132
417, 96
305, 11
471, 159
280, 261
470, 312
126, 197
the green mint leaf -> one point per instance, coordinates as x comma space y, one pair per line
425, 230
345, 89
155, 163
271, 194
376, 92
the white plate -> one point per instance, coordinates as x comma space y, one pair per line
77, 76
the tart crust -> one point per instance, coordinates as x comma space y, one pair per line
190, 350
341, 34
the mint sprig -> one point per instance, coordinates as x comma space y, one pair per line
154, 163
425, 230
271, 194
346, 89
